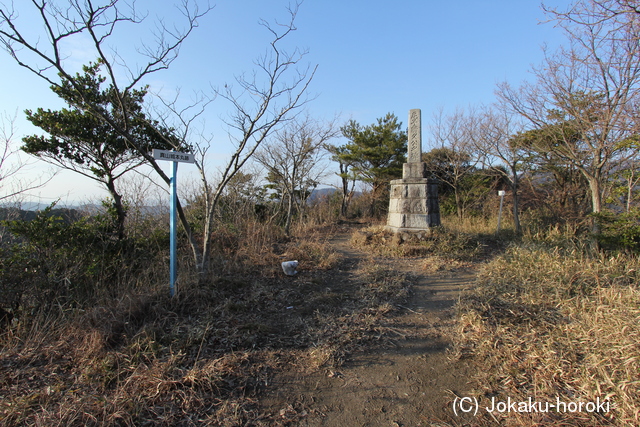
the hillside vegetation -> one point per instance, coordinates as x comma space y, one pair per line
91, 337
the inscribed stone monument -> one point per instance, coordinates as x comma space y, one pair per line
413, 203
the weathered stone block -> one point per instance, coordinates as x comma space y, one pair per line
395, 220
418, 206
417, 191
414, 170
418, 221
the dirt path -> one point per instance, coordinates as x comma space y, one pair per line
411, 382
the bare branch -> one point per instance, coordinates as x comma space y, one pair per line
14, 177
588, 92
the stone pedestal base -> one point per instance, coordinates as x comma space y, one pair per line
413, 205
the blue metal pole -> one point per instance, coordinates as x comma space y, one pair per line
173, 240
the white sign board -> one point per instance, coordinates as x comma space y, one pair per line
173, 156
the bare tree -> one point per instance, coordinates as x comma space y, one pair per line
13, 178
264, 100
453, 159
293, 161
619, 16
492, 133
584, 103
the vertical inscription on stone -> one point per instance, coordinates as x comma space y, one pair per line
415, 137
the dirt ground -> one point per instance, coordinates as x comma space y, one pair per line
352, 340
409, 380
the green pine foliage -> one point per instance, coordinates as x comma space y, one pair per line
377, 151
80, 140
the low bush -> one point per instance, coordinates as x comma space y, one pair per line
619, 232
71, 261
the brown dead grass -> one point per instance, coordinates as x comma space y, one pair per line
547, 323
203, 357
446, 244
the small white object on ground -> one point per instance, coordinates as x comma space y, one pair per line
289, 267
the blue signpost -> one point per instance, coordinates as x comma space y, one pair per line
175, 157
173, 233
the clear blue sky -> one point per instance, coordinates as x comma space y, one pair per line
373, 57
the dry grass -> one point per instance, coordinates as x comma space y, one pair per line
554, 323
449, 245
312, 253
203, 357
475, 225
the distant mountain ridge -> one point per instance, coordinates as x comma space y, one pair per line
319, 194
30, 208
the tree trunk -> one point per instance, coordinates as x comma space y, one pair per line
516, 201
632, 181
458, 203
596, 198
287, 224
345, 194
374, 199
343, 206
121, 213
596, 194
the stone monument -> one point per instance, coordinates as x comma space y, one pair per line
413, 203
